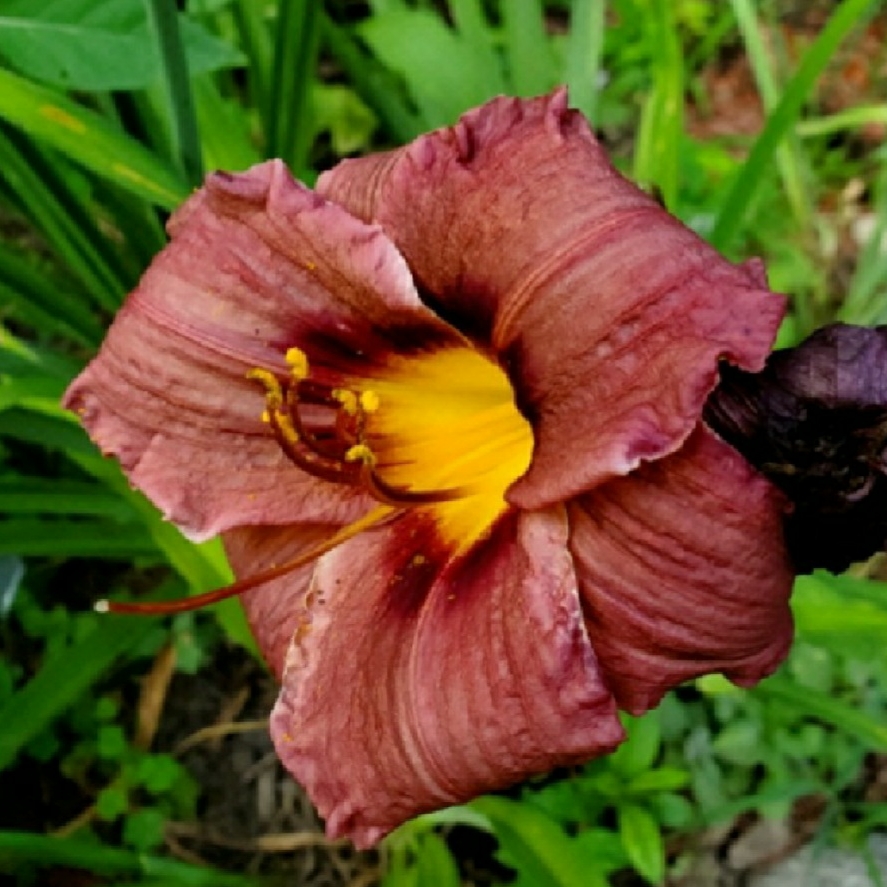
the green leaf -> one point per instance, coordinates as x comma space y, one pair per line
288, 123
657, 153
43, 301
442, 72
64, 679
38, 495
435, 863
663, 779
640, 750
841, 614
642, 841
531, 66
533, 844
111, 803
143, 829
167, 40
43, 850
89, 139
30, 537
585, 46
57, 42
812, 703
753, 172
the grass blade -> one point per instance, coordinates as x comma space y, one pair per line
375, 84
287, 118
657, 157
163, 17
585, 47
47, 195
788, 157
43, 850
736, 205
846, 718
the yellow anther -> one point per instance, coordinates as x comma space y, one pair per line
273, 393
298, 363
369, 401
284, 427
361, 453
348, 399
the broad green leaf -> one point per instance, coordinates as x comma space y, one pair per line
440, 68
533, 844
531, 65
39, 495
75, 538
380, 88
58, 42
855, 619
637, 754
472, 24
90, 139
642, 841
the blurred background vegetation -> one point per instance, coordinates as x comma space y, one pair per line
133, 751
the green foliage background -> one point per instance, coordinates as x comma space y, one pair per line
109, 113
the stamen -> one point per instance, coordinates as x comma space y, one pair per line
161, 608
298, 363
345, 457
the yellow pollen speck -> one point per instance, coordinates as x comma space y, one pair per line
418, 560
266, 417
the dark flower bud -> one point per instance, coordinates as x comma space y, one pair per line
815, 423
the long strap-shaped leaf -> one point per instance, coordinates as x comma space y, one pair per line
785, 114
89, 139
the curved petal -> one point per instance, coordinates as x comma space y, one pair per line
274, 610
682, 571
421, 681
257, 264
609, 315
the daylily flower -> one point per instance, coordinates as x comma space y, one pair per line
446, 412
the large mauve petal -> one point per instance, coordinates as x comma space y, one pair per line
274, 610
420, 682
257, 264
609, 314
683, 572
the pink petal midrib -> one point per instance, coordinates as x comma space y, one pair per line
235, 346
514, 302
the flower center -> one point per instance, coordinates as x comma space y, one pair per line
438, 430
